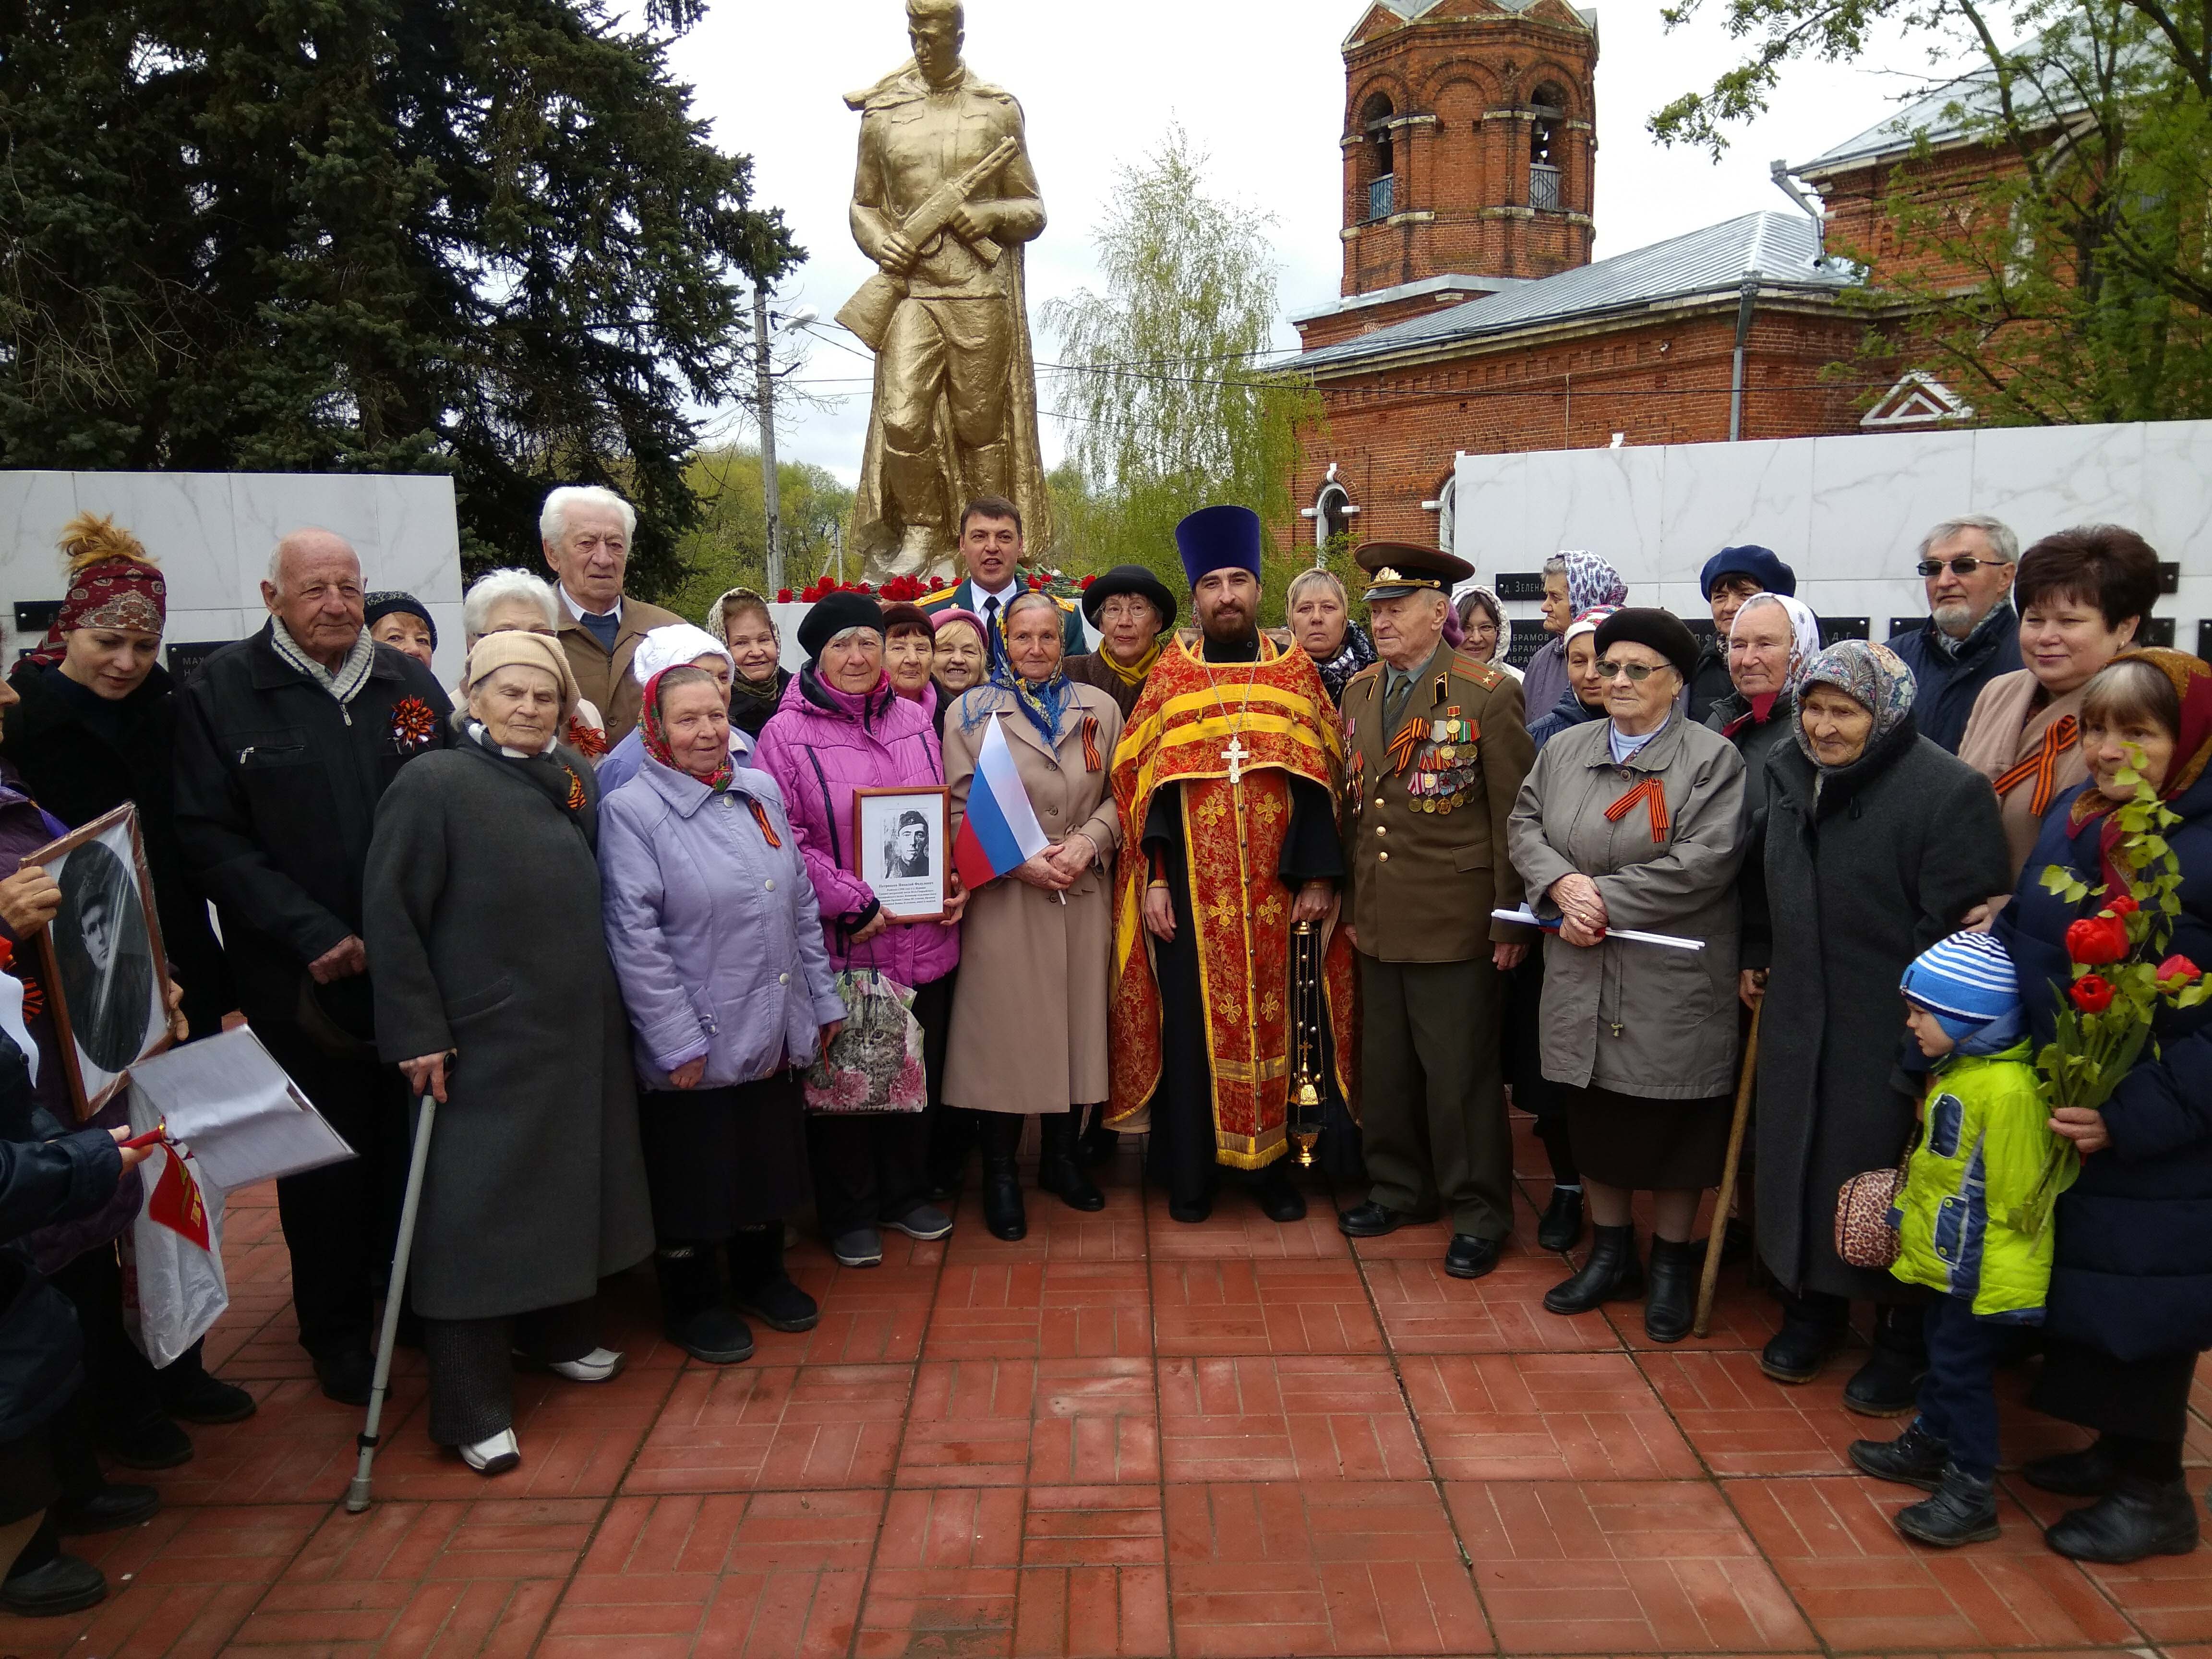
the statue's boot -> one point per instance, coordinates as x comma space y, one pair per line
916, 499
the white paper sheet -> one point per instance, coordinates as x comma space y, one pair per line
244, 1118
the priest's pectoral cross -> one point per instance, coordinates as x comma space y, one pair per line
1235, 755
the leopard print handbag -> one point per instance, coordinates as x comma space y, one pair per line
1865, 1216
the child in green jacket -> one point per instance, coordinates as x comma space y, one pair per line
1967, 1230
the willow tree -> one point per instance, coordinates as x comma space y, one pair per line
2048, 252
1165, 378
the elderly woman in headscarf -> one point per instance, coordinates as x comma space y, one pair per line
1573, 583
662, 649
959, 660
1320, 623
1633, 822
743, 621
842, 728
516, 601
1485, 633
717, 945
1040, 939
909, 657
494, 994
1877, 844
1771, 642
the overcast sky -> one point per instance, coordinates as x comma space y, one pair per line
1258, 84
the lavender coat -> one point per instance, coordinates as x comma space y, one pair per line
716, 941
821, 745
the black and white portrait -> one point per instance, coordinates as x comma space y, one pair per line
900, 837
110, 987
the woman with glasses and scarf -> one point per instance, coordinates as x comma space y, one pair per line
1635, 822
1038, 941
1877, 844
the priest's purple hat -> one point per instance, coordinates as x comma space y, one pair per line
1217, 537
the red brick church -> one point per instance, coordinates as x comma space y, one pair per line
1473, 319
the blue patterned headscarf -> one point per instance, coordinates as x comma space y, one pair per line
1043, 703
1871, 675
1592, 582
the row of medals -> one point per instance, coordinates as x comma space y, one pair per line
1440, 772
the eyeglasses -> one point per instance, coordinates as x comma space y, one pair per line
1637, 673
1964, 566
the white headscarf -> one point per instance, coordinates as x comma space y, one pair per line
673, 643
1805, 631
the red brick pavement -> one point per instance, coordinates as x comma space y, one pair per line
1118, 1436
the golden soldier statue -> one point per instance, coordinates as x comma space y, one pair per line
943, 201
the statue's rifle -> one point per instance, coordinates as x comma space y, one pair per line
868, 313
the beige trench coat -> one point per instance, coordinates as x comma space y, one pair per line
1647, 1020
1029, 1010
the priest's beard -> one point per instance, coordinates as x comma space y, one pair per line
1229, 623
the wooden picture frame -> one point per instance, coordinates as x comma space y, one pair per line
908, 866
94, 984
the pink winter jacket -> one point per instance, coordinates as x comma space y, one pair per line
820, 745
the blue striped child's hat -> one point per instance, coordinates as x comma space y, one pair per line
1968, 982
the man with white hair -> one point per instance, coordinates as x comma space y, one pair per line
285, 743
1972, 632
586, 531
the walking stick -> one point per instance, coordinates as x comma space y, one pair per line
1727, 1195
356, 1497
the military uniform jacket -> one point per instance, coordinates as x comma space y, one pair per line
1425, 808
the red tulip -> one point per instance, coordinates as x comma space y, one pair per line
783, 596
2092, 993
1087, 581
2096, 940
2178, 970
2124, 905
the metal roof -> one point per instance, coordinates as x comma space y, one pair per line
1412, 10
1776, 249
1966, 106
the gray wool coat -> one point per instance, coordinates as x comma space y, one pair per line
482, 912
1899, 846
1646, 1020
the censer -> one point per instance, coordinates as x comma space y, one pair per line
1305, 1018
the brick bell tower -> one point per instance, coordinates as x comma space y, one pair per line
1469, 142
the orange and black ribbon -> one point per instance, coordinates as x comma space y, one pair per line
759, 816
2043, 765
1091, 760
1653, 796
1409, 738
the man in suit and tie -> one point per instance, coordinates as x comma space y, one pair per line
991, 548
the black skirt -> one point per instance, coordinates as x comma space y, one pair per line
1625, 1141
2147, 1399
720, 1159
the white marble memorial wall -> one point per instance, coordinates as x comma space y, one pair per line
213, 533
1846, 512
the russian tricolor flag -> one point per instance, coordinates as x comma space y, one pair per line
1000, 831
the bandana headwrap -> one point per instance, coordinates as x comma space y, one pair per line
1871, 675
1043, 703
2192, 747
112, 584
656, 739
1591, 581
1805, 646
1487, 597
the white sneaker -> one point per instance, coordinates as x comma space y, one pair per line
597, 1366
493, 1456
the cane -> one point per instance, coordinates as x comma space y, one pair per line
356, 1497
1727, 1195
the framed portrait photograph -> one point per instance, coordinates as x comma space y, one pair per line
903, 850
107, 975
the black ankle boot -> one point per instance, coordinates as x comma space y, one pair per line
1814, 1328
1099, 1144
1915, 1458
1612, 1273
1562, 1224
759, 1284
1888, 1384
1964, 1510
693, 1315
2138, 1519
1059, 1171
1002, 1179
1671, 1306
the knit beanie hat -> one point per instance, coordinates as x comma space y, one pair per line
1967, 981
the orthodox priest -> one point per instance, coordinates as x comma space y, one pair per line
1225, 779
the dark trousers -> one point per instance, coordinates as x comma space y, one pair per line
2139, 1407
873, 1166
1433, 1121
340, 1221
1958, 1397
472, 1364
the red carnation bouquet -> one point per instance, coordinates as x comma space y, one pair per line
2123, 972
